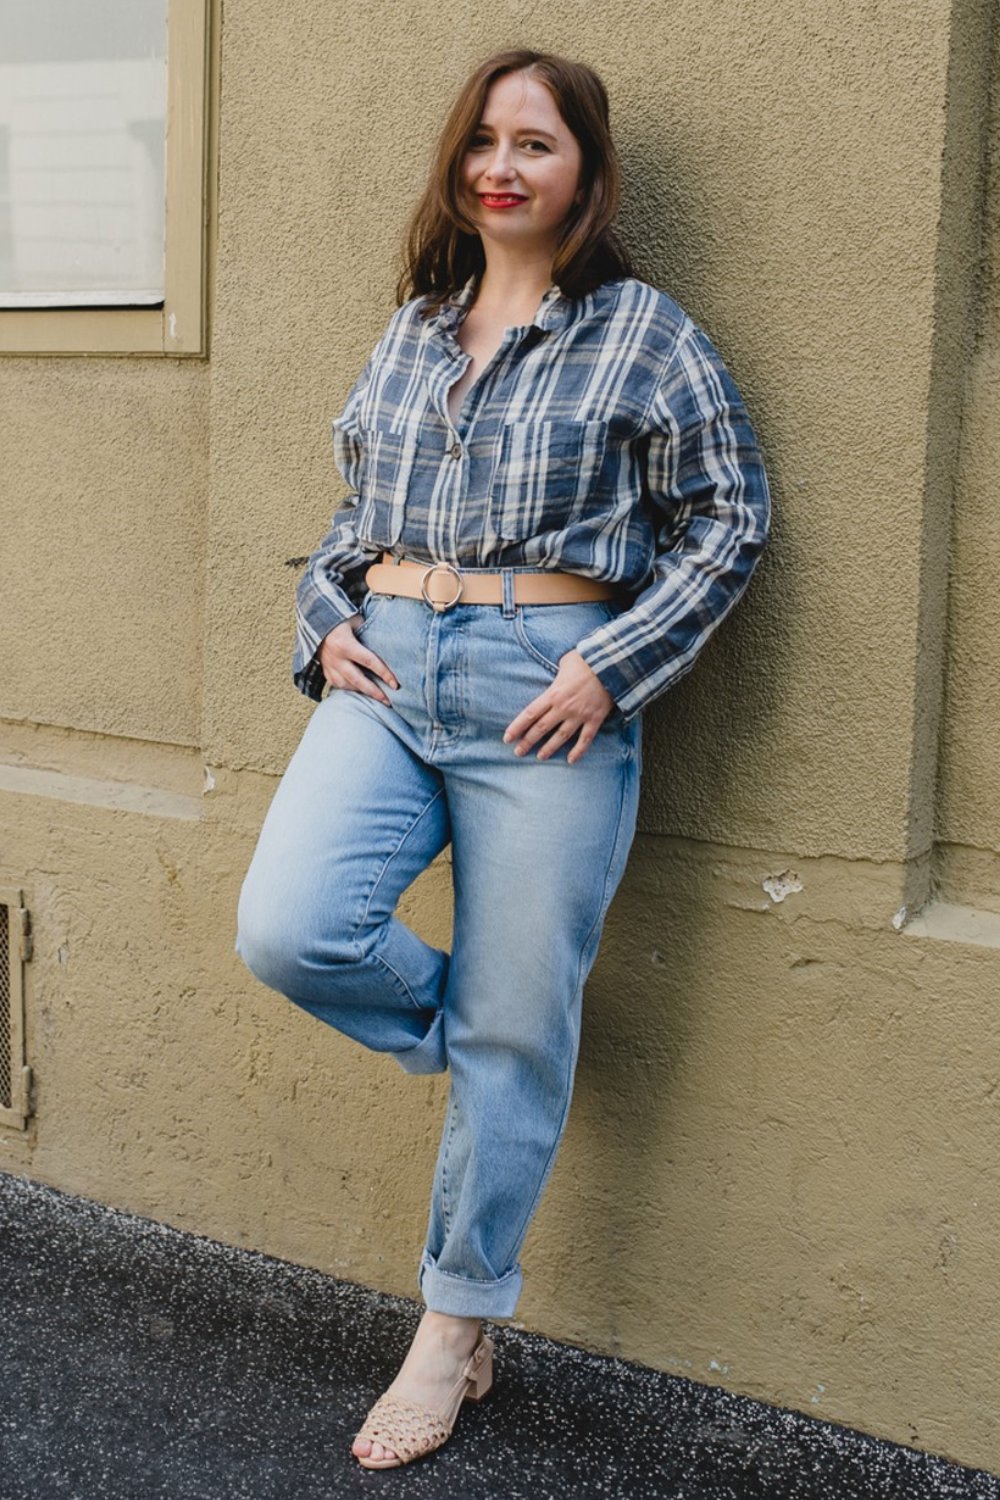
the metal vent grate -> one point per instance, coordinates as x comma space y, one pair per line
15, 951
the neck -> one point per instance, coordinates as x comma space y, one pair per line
514, 279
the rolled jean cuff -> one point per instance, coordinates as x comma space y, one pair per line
428, 1055
465, 1297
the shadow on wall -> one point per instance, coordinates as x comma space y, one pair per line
703, 737
702, 752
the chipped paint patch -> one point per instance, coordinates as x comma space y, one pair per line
780, 886
899, 919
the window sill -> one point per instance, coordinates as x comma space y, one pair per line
97, 330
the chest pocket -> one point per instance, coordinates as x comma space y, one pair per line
548, 476
386, 472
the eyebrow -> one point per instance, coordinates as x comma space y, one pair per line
524, 130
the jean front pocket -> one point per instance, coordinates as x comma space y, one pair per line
547, 631
547, 475
371, 605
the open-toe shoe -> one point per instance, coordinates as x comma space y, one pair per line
411, 1430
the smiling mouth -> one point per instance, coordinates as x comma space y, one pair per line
501, 200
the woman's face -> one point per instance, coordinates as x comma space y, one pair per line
521, 173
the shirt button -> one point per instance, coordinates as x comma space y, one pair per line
456, 450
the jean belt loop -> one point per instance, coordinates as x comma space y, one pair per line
509, 607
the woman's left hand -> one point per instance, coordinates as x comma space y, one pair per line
576, 700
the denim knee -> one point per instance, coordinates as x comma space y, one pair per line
283, 953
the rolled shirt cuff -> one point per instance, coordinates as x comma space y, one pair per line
311, 631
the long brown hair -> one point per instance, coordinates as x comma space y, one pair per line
443, 248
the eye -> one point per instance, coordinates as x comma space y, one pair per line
479, 140
535, 145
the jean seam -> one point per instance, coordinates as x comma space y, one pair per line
371, 606
390, 857
522, 637
401, 982
529, 646
594, 927
450, 1131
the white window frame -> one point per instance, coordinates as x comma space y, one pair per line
179, 326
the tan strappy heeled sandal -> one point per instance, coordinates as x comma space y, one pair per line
411, 1430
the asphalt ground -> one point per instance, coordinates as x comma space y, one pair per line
143, 1363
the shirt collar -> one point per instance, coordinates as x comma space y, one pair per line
553, 312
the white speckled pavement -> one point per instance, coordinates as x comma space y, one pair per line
142, 1363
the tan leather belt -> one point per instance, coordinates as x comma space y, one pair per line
440, 585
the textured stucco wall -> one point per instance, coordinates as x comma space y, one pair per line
779, 1173
780, 1170
969, 804
103, 497
772, 198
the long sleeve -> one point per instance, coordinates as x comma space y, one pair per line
332, 584
709, 492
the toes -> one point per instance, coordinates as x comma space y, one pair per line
375, 1451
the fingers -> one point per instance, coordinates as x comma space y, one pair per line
587, 736
556, 740
576, 701
529, 716
377, 665
543, 725
342, 658
518, 726
352, 678
556, 737
541, 721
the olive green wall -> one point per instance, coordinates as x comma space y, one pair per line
780, 1171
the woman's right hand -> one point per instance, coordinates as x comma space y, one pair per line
342, 657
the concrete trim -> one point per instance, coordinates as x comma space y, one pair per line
946, 922
93, 792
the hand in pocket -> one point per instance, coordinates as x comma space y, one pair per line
345, 662
576, 701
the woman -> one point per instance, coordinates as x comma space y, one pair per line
556, 495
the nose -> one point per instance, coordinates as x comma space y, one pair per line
500, 167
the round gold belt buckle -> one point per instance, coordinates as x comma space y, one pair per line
434, 603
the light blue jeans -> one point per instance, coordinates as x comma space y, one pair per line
370, 796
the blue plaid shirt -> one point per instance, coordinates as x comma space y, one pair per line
605, 438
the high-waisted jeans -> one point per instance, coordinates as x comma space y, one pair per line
369, 798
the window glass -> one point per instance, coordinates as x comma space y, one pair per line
82, 134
